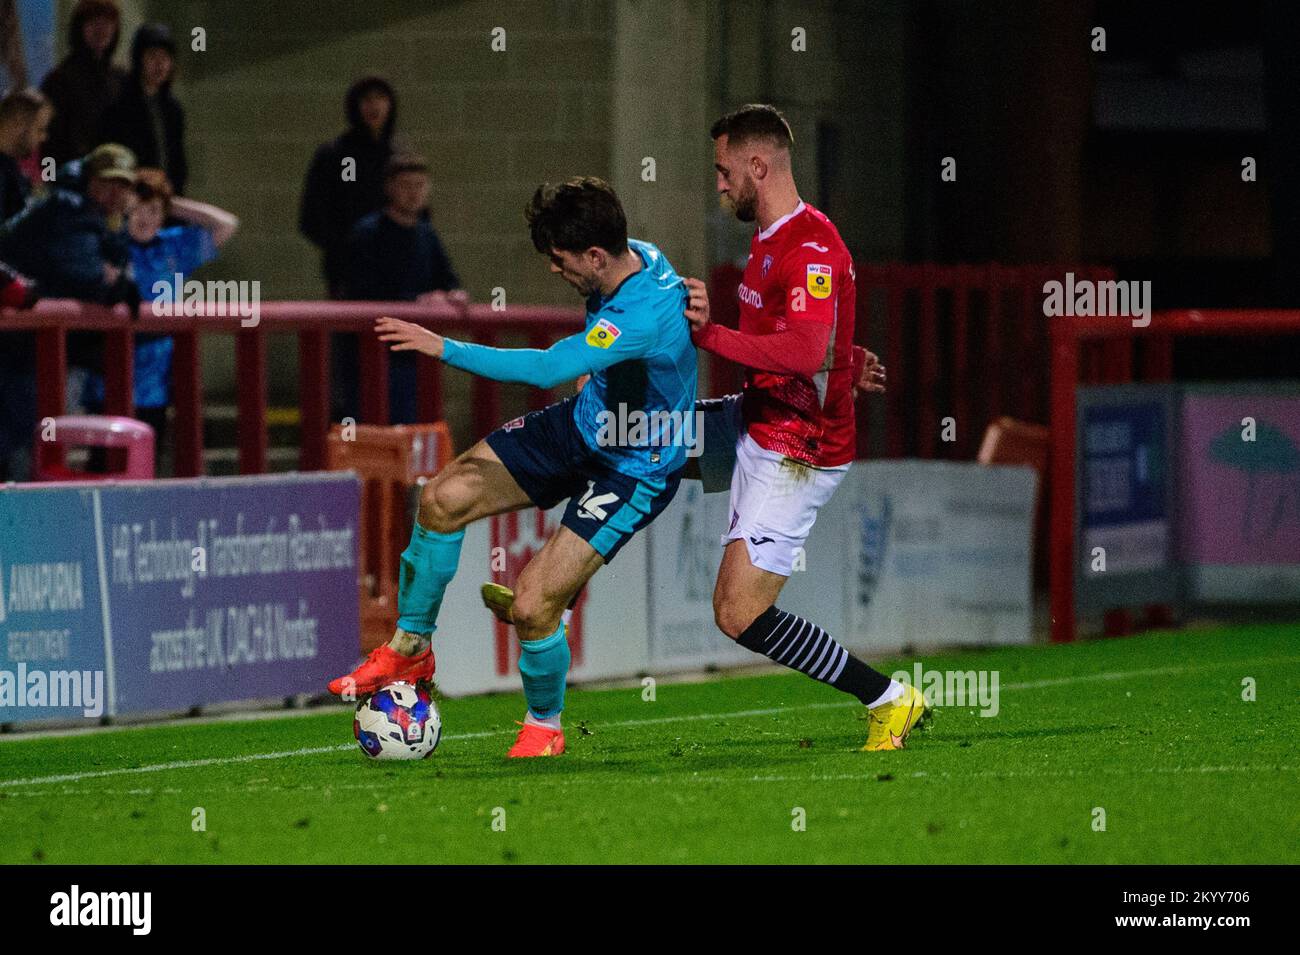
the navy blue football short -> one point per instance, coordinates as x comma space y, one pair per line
550, 461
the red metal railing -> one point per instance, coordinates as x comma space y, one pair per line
1071, 338
969, 341
313, 322
962, 341
966, 341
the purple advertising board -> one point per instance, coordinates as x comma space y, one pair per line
188, 592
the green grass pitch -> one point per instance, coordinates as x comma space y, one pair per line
1153, 730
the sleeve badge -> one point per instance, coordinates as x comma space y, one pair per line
819, 280
603, 334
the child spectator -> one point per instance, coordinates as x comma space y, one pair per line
395, 255
159, 253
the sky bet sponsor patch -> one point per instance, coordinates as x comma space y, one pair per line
819, 280
603, 334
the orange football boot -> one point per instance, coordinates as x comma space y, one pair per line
534, 740
384, 665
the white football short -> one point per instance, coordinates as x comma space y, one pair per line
774, 499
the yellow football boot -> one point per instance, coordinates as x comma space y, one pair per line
889, 723
499, 600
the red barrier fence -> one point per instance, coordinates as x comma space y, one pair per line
962, 341
966, 341
313, 322
1146, 348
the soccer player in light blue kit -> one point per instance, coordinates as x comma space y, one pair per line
616, 450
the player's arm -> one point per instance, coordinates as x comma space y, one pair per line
799, 349
569, 358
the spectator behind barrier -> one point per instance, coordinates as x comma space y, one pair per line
158, 253
24, 115
74, 246
83, 86
24, 120
147, 118
345, 180
395, 254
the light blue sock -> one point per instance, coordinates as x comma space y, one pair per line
544, 664
428, 565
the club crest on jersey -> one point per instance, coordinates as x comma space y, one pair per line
603, 334
819, 280
767, 264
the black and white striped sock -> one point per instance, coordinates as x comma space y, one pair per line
801, 645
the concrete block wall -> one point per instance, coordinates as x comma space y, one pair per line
583, 86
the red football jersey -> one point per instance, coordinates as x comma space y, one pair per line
799, 269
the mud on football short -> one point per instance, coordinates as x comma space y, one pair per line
774, 499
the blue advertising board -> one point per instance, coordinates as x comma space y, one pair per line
1124, 483
177, 594
1125, 497
51, 612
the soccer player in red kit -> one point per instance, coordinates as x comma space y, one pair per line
793, 425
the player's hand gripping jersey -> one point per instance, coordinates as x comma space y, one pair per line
637, 348
798, 397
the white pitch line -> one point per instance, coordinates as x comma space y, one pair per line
318, 750
619, 724
871, 776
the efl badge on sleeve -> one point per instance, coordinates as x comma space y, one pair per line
819, 281
603, 334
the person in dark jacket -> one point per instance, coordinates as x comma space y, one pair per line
86, 83
345, 180
147, 118
75, 245
394, 255
24, 115
24, 121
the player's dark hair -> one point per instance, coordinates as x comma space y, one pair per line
754, 121
573, 216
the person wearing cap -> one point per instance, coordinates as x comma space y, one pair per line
83, 86
74, 245
147, 118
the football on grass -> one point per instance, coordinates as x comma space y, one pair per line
400, 721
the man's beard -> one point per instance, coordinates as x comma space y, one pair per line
587, 287
745, 206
